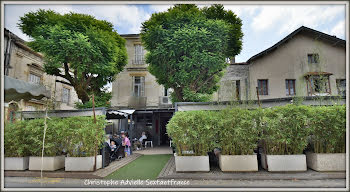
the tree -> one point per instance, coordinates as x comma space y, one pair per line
85, 51
187, 48
103, 99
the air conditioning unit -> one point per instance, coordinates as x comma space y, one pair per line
164, 100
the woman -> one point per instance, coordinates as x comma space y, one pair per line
126, 143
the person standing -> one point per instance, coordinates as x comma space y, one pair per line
126, 144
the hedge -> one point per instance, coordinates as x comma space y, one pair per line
77, 135
282, 130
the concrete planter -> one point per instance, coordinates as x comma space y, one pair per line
278, 163
326, 161
16, 163
192, 163
239, 163
49, 164
82, 163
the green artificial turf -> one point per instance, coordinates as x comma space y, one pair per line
144, 167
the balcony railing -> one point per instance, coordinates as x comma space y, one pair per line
137, 102
138, 62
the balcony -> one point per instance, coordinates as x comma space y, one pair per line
137, 102
138, 62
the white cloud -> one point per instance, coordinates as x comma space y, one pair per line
339, 29
287, 18
240, 10
159, 8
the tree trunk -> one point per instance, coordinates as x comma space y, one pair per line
82, 93
178, 94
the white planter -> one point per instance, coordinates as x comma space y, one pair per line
283, 162
49, 164
16, 163
82, 163
326, 161
192, 163
238, 163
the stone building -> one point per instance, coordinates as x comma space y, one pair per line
24, 64
305, 63
146, 104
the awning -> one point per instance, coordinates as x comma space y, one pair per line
16, 89
119, 114
317, 73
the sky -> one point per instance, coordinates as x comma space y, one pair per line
263, 25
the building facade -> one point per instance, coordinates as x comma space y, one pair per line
136, 89
23, 63
305, 63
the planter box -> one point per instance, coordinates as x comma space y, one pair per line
82, 163
238, 163
16, 163
49, 164
283, 162
326, 161
192, 163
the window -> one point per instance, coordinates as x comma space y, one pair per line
262, 87
139, 52
138, 86
290, 86
341, 86
34, 78
318, 85
30, 108
65, 95
313, 58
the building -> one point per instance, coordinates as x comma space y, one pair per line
305, 63
24, 64
147, 103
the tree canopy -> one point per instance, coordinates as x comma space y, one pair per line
187, 47
87, 52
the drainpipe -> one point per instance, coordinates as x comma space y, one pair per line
8, 54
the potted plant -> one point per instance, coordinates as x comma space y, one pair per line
238, 137
284, 135
15, 146
327, 139
82, 136
52, 157
192, 133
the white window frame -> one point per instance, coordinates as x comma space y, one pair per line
34, 78
139, 54
140, 86
65, 95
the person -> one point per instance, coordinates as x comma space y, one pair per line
138, 143
117, 139
113, 145
126, 143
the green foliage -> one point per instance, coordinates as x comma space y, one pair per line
187, 50
193, 131
285, 129
103, 99
235, 27
237, 132
15, 139
85, 51
35, 134
82, 135
77, 135
328, 129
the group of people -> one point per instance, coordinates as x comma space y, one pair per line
121, 143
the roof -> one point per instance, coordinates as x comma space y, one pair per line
21, 43
130, 35
317, 34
